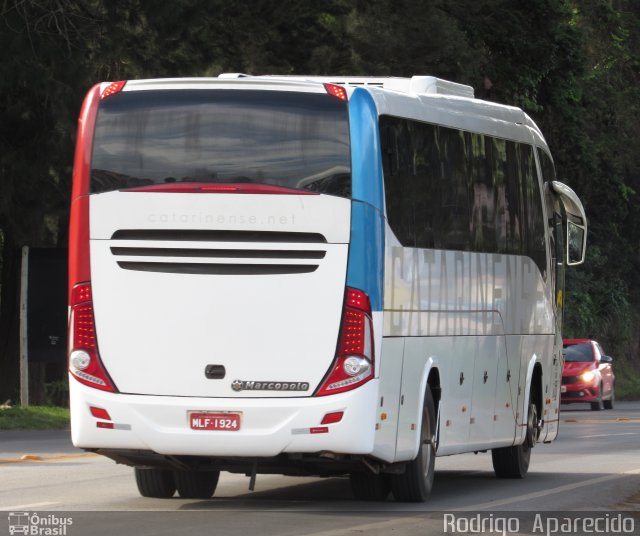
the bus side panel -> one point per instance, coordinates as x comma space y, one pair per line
458, 306
431, 280
490, 355
472, 412
390, 372
539, 349
552, 392
411, 396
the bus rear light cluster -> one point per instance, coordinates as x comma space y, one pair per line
112, 89
100, 413
337, 91
221, 188
332, 418
354, 362
84, 361
103, 414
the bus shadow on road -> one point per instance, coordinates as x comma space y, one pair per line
453, 490
335, 494
327, 491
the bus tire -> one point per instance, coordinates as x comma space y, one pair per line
415, 484
513, 462
196, 484
155, 483
369, 486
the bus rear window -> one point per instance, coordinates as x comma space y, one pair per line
289, 139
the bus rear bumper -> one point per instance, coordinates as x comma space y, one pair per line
268, 426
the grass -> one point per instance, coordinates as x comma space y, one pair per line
34, 418
627, 380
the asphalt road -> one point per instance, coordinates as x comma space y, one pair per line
593, 468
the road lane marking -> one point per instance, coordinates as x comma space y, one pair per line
606, 435
617, 420
29, 458
544, 493
32, 506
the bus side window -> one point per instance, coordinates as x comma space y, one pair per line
456, 190
555, 225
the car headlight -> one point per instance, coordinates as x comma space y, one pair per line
587, 376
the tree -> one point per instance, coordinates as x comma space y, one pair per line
52, 51
574, 66
36, 140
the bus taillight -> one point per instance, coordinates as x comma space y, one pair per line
112, 89
84, 361
354, 361
337, 91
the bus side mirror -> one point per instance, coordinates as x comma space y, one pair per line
576, 238
576, 223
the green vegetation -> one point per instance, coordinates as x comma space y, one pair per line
627, 381
574, 66
33, 418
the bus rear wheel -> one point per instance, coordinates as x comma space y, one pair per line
196, 484
155, 483
513, 462
414, 485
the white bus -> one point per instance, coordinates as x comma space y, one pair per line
314, 276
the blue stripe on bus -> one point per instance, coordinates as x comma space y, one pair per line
366, 160
366, 253
365, 269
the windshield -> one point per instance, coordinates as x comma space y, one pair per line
288, 139
578, 353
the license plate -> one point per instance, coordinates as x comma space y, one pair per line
563, 388
228, 422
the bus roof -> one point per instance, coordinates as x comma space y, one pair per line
416, 85
392, 95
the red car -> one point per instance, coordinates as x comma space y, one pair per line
587, 375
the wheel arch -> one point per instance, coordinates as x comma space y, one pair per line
536, 388
533, 388
433, 381
430, 379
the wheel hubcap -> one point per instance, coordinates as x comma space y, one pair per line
427, 444
533, 426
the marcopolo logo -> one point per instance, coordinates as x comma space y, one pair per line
244, 385
38, 524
